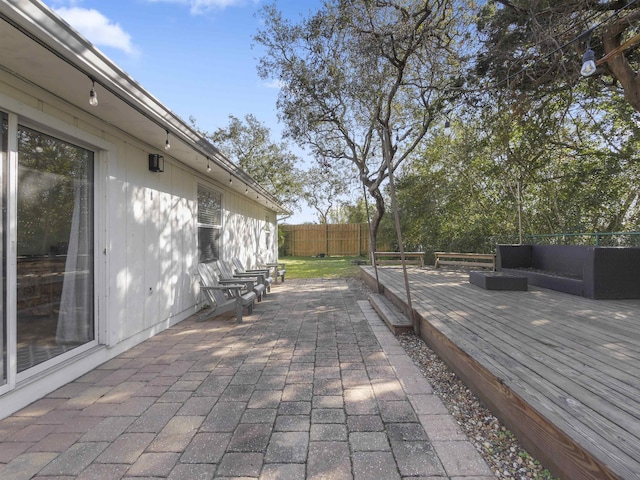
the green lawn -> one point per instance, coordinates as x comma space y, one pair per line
327, 267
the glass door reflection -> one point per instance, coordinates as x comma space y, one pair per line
54, 247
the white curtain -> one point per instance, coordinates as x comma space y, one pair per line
75, 320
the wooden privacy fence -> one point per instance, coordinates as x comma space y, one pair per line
328, 239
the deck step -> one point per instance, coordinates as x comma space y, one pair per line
396, 320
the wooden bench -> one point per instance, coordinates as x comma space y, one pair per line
485, 260
417, 258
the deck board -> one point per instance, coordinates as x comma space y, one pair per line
572, 361
615, 374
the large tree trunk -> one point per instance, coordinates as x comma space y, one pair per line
618, 64
375, 222
617, 222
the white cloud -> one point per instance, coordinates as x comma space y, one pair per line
277, 84
97, 28
197, 7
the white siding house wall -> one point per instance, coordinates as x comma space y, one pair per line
245, 232
146, 234
152, 246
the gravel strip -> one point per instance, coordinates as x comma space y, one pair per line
497, 445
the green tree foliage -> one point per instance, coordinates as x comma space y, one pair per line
248, 142
593, 183
447, 199
534, 137
52, 174
573, 169
352, 212
322, 189
363, 81
537, 45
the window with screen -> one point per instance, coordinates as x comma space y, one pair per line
209, 224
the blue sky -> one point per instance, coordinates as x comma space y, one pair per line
195, 56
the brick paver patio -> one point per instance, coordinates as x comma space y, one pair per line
311, 385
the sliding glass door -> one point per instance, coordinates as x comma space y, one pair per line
4, 157
54, 248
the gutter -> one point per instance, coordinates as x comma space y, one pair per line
45, 27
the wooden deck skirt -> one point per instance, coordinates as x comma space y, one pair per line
560, 371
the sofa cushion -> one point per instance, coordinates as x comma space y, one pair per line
549, 280
513, 256
565, 260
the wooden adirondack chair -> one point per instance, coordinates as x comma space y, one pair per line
278, 268
268, 279
223, 298
225, 274
248, 283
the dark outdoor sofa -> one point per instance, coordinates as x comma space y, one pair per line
592, 272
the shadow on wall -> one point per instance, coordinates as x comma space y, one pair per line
245, 237
153, 247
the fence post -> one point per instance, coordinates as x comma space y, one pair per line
326, 239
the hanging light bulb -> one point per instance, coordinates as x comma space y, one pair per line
447, 127
588, 63
246, 189
208, 165
230, 180
93, 98
167, 145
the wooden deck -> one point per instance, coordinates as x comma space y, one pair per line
561, 371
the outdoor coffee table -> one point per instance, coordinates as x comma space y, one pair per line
497, 281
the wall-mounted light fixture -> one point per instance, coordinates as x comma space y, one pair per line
93, 98
156, 162
167, 145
